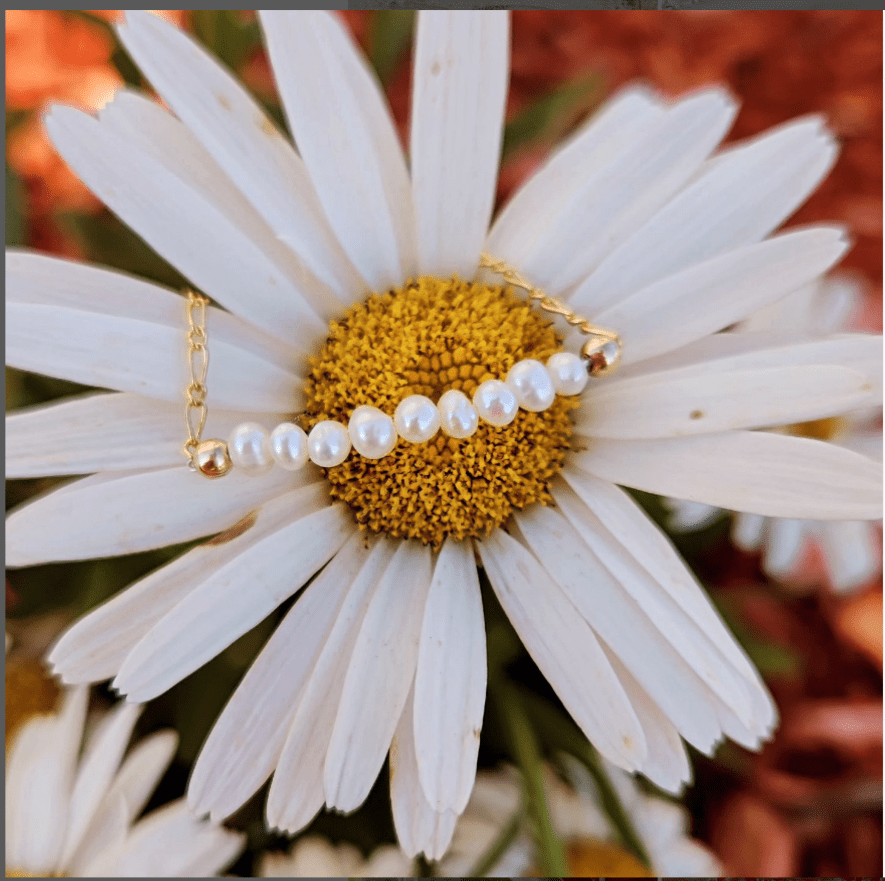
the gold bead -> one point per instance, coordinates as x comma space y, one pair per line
602, 355
212, 459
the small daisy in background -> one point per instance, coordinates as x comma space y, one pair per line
73, 813
346, 280
316, 857
493, 834
846, 553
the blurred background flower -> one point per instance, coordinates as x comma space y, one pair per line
73, 814
810, 803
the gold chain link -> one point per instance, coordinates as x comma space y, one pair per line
198, 362
547, 303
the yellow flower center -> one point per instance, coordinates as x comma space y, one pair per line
29, 691
601, 859
425, 338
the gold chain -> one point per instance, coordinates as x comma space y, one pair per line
546, 302
198, 361
601, 340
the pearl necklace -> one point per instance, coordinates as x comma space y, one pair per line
529, 385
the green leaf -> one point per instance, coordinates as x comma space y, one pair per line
553, 115
227, 34
15, 118
390, 33
15, 222
769, 657
24, 389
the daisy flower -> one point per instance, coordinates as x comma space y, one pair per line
74, 814
315, 857
350, 278
589, 838
850, 549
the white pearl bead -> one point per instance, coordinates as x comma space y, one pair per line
568, 372
288, 446
328, 443
416, 419
532, 385
371, 432
495, 402
458, 417
249, 448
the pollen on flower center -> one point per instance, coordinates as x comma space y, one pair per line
425, 338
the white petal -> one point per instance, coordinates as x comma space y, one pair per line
754, 471
747, 531
143, 769
867, 444
564, 648
853, 553
387, 860
684, 516
667, 762
171, 843
125, 512
312, 857
450, 680
107, 432
104, 328
296, 792
245, 743
623, 626
459, 88
632, 182
107, 832
345, 135
709, 296
626, 523
739, 198
98, 766
149, 127
653, 604
381, 672
708, 399
40, 771
243, 140
419, 828
231, 601
520, 230
95, 647
785, 542
731, 351
40, 280
176, 219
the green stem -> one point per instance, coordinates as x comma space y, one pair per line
527, 754
558, 731
499, 846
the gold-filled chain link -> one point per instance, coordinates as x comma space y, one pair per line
601, 352
546, 302
198, 362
